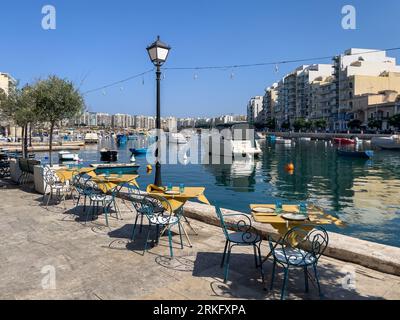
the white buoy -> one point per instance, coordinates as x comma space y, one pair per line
133, 159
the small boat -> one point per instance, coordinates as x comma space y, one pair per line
305, 139
132, 137
388, 143
68, 156
344, 141
139, 151
283, 141
117, 168
121, 139
272, 138
108, 155
177, 138
367, 154
91, 138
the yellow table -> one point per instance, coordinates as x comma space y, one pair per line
315, 214
110, 182
178, 201
67, 174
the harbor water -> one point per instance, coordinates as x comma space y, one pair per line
363, 193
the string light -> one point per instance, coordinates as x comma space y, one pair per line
195, 76
276, 63
232, 75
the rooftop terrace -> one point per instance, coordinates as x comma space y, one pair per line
95, 262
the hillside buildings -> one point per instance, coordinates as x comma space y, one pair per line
361, 84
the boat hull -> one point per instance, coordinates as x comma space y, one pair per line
356, 154
109, 156
344, 141
116, 168
137, 152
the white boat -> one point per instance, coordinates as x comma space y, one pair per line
305, 139
234, 139
389, 143
68, 156
280, 140
178, 138
91, 137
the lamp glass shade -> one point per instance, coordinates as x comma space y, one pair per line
158, 52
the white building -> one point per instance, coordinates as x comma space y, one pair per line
254, 107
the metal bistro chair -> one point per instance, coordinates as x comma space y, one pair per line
149, 206
299, 248
242, 236
78, 183
99, 196
56, 186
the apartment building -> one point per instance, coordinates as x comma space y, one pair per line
270, 100
254, 108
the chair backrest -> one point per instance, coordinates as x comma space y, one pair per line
31, 163
79, 180
50, 177
222, 221
159, 207
303, 244
23, 164
133, 193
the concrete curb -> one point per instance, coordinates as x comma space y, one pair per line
372, 255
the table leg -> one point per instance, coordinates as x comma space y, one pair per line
270, 253
186, 235
190, 226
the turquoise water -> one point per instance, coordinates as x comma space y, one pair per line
363, 193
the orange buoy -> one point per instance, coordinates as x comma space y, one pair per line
290, 167
149, 168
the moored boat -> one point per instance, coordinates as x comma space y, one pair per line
68, 156
280, 140
108, 155
177, 138
138, 151
121, 139
344, 141
388, 143
117, 168
91, 137
367, 154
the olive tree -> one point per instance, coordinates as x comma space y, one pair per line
18, 107
56, 100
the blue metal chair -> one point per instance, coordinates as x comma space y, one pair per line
98, 198
78, 183
299, 248
242, 236
159, 213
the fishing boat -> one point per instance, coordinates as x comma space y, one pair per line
305, 139
137, 152
132, 137
272, 138
117, 168
345, 141
388, 143
367, 154
280, 140
68, 156
108, 155
121, 139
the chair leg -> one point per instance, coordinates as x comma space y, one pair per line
228, 257
223, 257
141, 224
147, 240
134, 228
255, 255
180, 233
285, 278
306, 279
317, 279
170, 242
261, 266
49, 197
105, 210
88, 211
273, 275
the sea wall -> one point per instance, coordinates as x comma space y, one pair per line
325, 136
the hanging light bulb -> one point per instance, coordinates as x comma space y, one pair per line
276, 68
143, 81
195, 76
232, 75
104, 92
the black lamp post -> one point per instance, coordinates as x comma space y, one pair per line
158, 53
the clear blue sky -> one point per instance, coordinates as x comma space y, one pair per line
104, 41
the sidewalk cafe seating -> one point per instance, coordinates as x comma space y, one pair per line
163, 220
299, 248
4, 165
26, 166
242, 236
55, 185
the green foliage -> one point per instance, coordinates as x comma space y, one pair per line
285, 125
354, 124
56, 100
395, 121
271, 124
375, 124
320, 124
299, 124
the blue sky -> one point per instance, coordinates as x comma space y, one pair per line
98, 42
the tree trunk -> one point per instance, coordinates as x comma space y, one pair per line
23, 142
30, 134
26, 141
51, 143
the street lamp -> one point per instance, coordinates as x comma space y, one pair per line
158, 53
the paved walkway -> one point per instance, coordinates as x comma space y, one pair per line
94, 262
